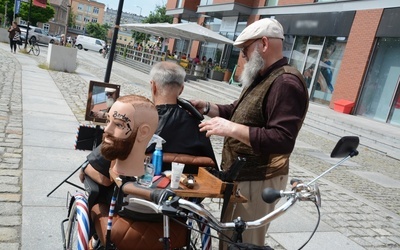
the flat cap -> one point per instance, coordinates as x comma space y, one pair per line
264, 27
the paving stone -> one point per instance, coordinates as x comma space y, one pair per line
8, 234
10, 197
9, 246
8, 221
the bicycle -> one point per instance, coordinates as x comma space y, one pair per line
33, 47
174, 207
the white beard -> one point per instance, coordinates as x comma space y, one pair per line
110, 102
252, 68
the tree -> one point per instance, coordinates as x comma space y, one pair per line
71, 19
42, 15
9, 12
96, 30
158, 16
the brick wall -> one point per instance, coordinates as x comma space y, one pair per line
357, 53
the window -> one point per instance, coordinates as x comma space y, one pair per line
86, 19
46, 27
94, 20
379, 100
98, 42
206, 2
95, 10
80, 6
271, 2
88, 8
179, 4
79, 17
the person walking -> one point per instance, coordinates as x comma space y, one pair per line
14, 36
262, 125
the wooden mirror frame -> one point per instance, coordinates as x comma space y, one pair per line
96, 105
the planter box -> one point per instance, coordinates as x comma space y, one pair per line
343, 106
217, 75
62, 58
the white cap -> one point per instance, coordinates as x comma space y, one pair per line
264, 27
110, 90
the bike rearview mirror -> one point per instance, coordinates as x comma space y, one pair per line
346, 146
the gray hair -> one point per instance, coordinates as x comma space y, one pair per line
167, 74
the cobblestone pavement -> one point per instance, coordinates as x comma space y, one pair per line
10, 151
364, 211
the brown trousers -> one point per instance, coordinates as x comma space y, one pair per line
254, 209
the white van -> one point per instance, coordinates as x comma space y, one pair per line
89, 43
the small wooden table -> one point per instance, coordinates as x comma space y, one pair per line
207, 186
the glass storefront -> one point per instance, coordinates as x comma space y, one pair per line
304, 51
380, 97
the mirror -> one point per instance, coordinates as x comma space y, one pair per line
346, 146
101, 97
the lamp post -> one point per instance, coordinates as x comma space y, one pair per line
113, 42
140, 13
66, 25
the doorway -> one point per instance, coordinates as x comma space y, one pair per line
310, 69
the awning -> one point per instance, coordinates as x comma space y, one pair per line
182, 31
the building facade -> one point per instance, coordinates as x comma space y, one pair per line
56, 25
110, 15
85, 11
346, 50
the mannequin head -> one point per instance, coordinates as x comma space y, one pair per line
132, 121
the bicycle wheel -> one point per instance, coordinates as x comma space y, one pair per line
77, 234
35, 49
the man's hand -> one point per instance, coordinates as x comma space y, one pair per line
222, 127
199, 105
158, 196
217, 126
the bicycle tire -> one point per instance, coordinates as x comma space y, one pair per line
77, 234
35, 49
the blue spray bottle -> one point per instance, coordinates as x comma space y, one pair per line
157, 158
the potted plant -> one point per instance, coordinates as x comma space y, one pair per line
217, 73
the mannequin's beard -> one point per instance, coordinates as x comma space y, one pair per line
109, 102
252, 68
119, 148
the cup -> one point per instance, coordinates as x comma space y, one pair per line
177, 169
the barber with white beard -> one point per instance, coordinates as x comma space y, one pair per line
262, 125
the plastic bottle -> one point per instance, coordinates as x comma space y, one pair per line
147, 178
157, 159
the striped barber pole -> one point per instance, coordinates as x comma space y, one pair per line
205, 235
82, 216
111, 212
110, 217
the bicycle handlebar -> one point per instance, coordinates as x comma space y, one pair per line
175, 207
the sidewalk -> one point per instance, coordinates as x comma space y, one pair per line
36, 153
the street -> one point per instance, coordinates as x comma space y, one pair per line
360, 200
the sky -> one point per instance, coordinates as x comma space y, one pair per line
131, 5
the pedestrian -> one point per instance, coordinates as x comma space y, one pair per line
14, 36
262, 125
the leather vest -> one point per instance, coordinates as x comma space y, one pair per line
249, 111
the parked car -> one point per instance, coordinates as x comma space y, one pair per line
38, 35
89, 43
